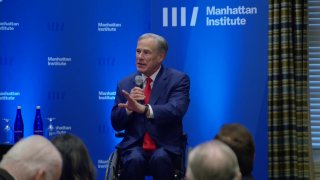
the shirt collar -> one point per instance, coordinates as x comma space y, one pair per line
153, 76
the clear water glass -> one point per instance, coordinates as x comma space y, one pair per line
7, 131
51, 131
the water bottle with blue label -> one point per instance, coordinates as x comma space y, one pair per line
38, 124
18, 126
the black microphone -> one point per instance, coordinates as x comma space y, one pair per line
139, 81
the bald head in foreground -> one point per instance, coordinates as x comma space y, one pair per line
213, 160
32, 158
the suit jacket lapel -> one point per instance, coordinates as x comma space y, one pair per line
158, 85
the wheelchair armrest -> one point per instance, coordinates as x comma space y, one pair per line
119, 134
185, 136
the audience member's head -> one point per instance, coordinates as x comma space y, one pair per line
77, 163
33, 158
212, 160
239, 139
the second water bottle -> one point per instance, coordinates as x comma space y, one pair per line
38, 124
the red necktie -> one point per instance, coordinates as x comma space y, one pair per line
148, 143
147, 90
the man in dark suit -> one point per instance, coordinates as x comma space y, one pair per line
152, 121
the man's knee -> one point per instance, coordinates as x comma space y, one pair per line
134, 157
160, 157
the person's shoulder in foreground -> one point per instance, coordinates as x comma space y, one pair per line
33, 158
4, 175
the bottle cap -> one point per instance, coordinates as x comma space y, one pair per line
38, 107
18, 107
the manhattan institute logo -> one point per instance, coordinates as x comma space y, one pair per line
183, 16
228, 15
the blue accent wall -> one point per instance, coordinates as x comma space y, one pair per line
67, 57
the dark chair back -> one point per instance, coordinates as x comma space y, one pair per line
4, 148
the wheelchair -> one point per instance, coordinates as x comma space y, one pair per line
113, 170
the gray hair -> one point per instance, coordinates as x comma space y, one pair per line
162, 43
212, 160
32, 155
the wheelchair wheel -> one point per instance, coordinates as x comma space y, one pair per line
111, 170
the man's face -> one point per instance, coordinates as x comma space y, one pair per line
148, 57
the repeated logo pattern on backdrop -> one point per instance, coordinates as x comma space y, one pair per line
67, 58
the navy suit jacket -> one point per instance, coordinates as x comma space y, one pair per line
169, 101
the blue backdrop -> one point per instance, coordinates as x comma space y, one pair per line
67, 57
